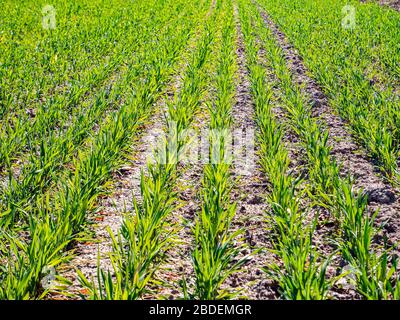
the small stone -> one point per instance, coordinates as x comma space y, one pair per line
256, 200
381, 195
390, 227
234, 283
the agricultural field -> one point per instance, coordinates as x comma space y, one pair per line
199, 150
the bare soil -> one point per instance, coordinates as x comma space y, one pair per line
394, 4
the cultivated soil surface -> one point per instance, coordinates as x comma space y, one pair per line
250, 188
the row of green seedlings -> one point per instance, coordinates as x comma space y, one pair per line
49, 156
375, 279
59, 218
21, 129
22, 132
146, 235
338, 58
215, 251
41, 65
299, 272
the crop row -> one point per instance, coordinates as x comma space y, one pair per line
61, 113
374, 277
339, 58
52, 150
215, 250
75, 98
59, 214
146, 235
